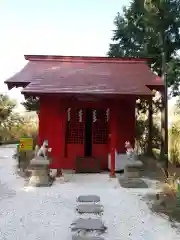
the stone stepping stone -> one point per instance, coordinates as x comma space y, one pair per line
88, 225
90, 208
88, 198
132, 183
86, 238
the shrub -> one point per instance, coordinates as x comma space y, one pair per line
174, 143
142, 132
156, 153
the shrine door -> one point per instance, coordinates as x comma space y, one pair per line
89, 128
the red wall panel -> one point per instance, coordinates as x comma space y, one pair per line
73, 150
125, 124
51, 128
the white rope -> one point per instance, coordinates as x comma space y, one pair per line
80, 115
69, 114
94, 116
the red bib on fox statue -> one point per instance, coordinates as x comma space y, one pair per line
128, 147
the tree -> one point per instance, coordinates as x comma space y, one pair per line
31, 104
150, 28
142, 135
8, 118
157, 13
13, 125
137, 35
6, 107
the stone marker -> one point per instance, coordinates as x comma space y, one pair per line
90, 208
88, 198
88, 225
86, 238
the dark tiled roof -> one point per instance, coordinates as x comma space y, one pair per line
85, 75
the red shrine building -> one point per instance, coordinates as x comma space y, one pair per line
87, 106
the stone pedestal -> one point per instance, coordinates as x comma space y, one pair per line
132, 176
40, 172
132, 170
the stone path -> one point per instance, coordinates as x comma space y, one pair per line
90, 208
88, 224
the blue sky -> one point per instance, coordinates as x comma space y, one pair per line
61, 27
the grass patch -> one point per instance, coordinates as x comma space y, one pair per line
165, 203
169, 206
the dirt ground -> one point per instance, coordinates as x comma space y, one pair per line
167, 201
47, 213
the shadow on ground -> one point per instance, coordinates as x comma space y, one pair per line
5, 192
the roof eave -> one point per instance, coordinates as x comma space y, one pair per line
159, 88
85, 58
11, 85
66, 94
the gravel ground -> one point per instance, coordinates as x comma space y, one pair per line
46, 213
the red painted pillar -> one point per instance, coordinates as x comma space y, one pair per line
113, 130
40, 114
39, 129
64, 133
63, 140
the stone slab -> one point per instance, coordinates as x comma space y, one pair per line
135, 164
86, 238
88, 225
39, 161
88, 198
90, 208
132, 183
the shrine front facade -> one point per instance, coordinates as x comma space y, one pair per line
87, 105
82, 129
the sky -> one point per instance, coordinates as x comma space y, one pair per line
57, 27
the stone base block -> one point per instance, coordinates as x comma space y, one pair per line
40, 177
133, 170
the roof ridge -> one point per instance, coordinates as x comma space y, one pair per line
83, 59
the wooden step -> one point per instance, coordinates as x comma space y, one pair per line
88, 165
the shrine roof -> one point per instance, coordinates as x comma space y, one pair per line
91, 75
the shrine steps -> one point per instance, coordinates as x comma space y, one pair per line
88, 165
